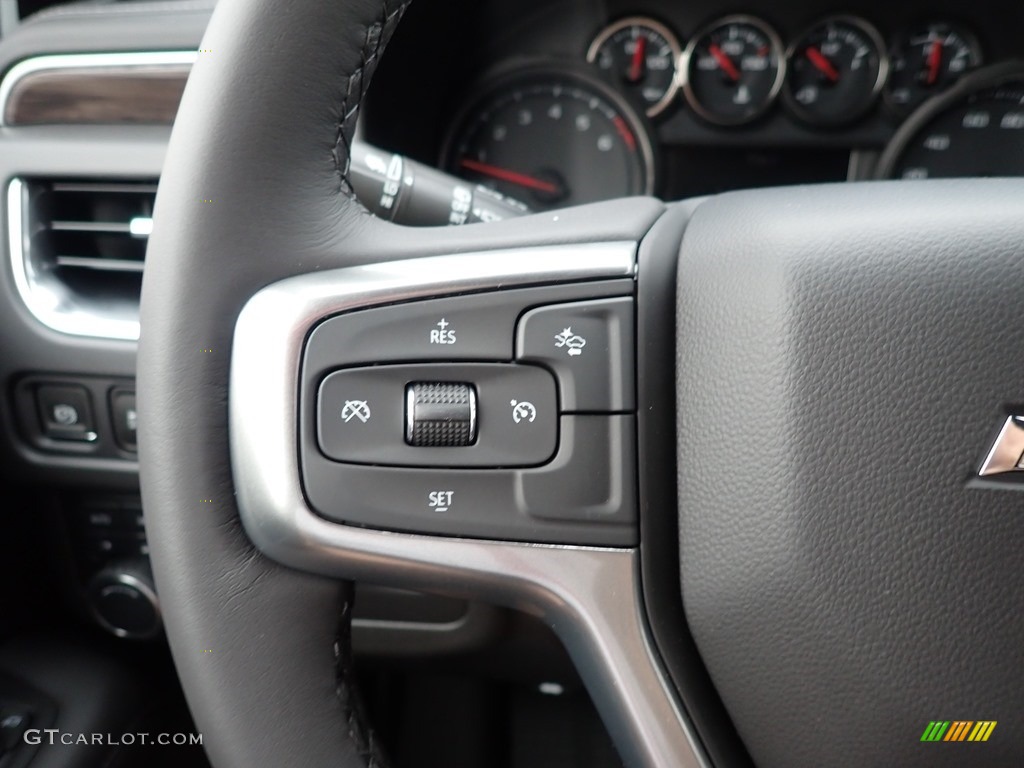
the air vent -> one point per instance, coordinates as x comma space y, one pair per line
78, 248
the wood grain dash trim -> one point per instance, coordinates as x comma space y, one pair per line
141, 95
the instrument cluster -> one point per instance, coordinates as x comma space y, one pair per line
736, 69
634, 108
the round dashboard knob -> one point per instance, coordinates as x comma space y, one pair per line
124, 600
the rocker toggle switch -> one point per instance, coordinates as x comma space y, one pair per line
440, 414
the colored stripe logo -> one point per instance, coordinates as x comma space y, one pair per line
958, 730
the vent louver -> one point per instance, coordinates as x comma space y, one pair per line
80, 251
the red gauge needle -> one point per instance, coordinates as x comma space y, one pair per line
822, 64
934, 62
724, 62
636, 66
512, 177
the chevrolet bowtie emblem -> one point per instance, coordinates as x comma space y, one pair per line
1007, 453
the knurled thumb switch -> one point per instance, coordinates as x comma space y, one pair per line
440, 414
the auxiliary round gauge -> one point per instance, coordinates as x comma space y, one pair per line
836, 70
929, 60
733, 70
552, 138
639, 54
976, 128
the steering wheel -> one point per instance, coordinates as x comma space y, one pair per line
819, 373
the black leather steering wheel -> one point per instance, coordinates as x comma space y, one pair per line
844, 355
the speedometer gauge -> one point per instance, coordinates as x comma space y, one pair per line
552, 139
733, 70
974, 129
640, 55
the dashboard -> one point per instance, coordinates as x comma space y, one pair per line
558, 104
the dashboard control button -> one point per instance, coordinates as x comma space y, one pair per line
65, 411
100, 520
361, 415
114, 544
589, 346
440, 414
125, 419
585, 495
124, 600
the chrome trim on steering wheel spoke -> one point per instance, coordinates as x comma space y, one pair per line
589, 596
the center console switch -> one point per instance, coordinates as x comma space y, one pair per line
503, 415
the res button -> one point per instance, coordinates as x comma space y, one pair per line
461, 328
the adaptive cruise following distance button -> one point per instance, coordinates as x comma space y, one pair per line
589, 346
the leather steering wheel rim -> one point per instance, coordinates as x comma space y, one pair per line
260, 649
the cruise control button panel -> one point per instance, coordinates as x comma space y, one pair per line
363, 415
503, 415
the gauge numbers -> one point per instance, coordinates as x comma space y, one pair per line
553, 139
733, 70
639, 55
976, 128
927, 61
836, 70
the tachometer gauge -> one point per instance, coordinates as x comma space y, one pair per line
640, 55
927, 61
733, 70
976, 128
836, 70
552, 138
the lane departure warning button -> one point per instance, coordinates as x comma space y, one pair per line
589, 345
